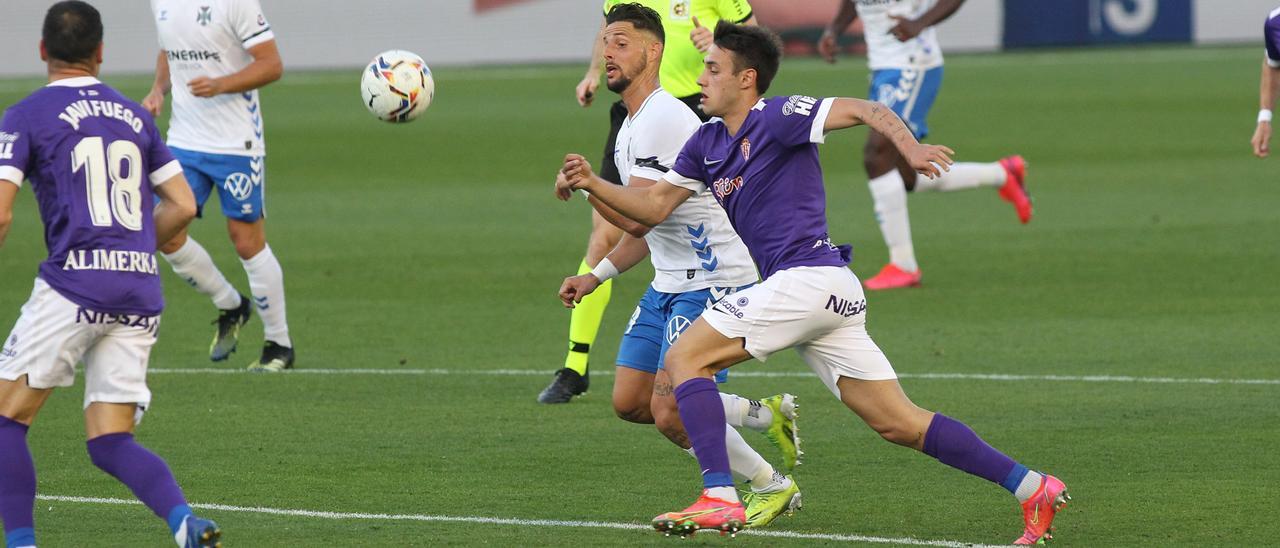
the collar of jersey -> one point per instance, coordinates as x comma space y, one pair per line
642, 105
77, 82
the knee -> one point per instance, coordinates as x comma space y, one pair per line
248, 246
898, 432
632, 412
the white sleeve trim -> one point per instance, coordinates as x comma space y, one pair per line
266, 36
12, 174
165, 172
817, 134
1273, 63
646, 173
686, 183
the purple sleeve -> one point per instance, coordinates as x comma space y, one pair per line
1271, 34
791, 119
161, 165
15, 148
689, 169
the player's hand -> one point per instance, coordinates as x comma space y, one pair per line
587, 90
575, 288
203, 86
701, 36
930, 160
827, 46
906, 29
154, 103
563, 191
1262, 140
577, 171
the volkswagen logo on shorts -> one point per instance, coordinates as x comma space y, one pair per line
239, 185
675, 327
742, 301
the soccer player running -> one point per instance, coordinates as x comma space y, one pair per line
109, 191
688, 37
213, 57
906, 73
697, 259
761, 162
1270, 85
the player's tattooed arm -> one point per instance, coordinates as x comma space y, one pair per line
930, 160
650, 205
8, 192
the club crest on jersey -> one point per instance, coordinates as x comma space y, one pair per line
746, 149
680, 9
204, 16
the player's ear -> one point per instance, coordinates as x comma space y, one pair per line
44, 54
98, 54
747, 79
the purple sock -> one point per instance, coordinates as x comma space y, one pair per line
140, 470
17, 484
956, 445
703, 417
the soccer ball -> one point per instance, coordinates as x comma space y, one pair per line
397, 86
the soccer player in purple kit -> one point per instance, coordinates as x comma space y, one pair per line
108, 190
760, 159
1270, 83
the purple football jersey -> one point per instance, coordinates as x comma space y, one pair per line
769, 181
1271, 35
92, 157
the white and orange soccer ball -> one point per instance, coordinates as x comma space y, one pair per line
397, 86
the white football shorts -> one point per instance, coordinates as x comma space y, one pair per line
821, 311
53, 334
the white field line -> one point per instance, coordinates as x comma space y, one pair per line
745, 374
507, 521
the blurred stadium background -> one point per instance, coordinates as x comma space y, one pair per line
1126, 339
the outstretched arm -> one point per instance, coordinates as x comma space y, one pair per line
930, 160
649, 206
907, 29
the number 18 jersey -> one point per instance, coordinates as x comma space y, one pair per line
92, 157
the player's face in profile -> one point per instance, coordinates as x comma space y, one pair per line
624, 55
718, 82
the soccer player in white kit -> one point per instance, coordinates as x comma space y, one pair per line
214, 55
906, 73
697, 257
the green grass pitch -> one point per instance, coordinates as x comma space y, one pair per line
438, 245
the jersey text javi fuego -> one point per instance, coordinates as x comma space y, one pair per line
92, 157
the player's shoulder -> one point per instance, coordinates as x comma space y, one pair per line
661, 109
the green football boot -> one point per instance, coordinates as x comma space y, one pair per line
763, 508
783, 432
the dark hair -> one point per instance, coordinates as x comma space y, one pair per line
753, 48
72, 31
643, 17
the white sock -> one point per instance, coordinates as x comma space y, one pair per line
266, 283
963, 176
1030, 483
745, 462
890, 199
741, 412
192, 263
778, 483
727, 494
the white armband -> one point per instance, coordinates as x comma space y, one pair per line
604, 270
1264, 115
